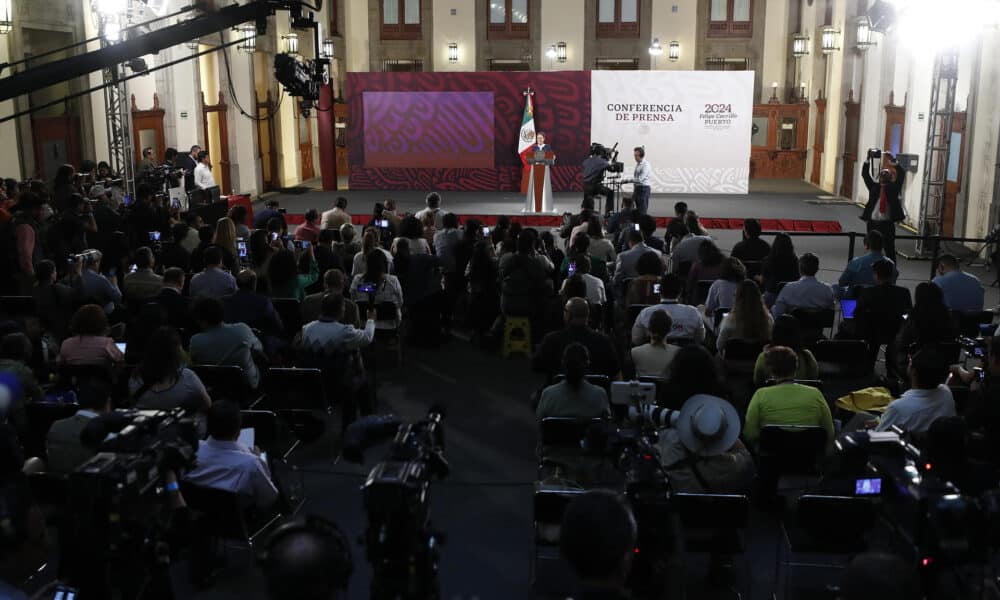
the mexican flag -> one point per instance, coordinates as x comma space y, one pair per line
527, 137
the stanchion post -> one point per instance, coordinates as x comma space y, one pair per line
937, 251
850, 247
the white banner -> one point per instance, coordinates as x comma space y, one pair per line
694, 125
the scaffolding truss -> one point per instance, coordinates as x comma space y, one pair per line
933, 200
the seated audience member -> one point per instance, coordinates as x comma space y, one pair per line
625, 266
289, 276
723, 289
348, 245
162, 382
581, 248
64, 447
90, 343
983, 407
685, 251
574, 396
859, 270
308, 560
524, 284
249, 306
54, 301
386, 287
676, 228
780, 266
602, 358
190, 239
693, 371
96, 288
238, 215
595, 287
878, 315
271, 210
225, 464
15, 355
144, 283
641, 288
702, 452
807, 292
369, 242
212, 282
223, 343
25, 545
600, 246
205, 235
749, 320
877, 576
647, 225
962, 291
333, 283
326, 256
225, 239
929, 322
751, 248
337, 216
706, 268
653, 358
927, 399
687, 321
787, 333
389, 213
597, 538
171, 300
420, 277
411, 230
785, 403
309, 231
176, 255
329, 334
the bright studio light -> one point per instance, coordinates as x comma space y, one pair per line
929, 26
108, 8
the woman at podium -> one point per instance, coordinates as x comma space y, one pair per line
540, 145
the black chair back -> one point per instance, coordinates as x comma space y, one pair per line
550, 504
72, 375
741, 350
633, 313
816, 383
711, 511
221, 514
700, 292
968, 323
834, 524
720, 314
290, 312
296, 388
265, 428
814, 321
565, 432
791, 449
40, 417
225, 382
842, 359
600, 381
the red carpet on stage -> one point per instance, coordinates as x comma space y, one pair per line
807, 225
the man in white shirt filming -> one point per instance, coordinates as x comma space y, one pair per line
640, 179
203, 179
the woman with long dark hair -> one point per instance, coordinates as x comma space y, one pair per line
376, 286
286, 279
749, 320
420, 278
781, 265
929, 322
369, 242
162, 382
411, 230
787, 332
693, 371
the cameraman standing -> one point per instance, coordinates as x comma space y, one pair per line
884, 210
593, 177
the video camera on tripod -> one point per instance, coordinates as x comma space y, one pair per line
608, 154
399, 542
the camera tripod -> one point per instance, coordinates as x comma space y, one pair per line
992, 239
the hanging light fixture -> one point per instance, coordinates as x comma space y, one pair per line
561, 52
453, 52
829, 39
800, 45
329, 48
6, 16
655, 49
291, 41
248, 38
865, 37
674, 51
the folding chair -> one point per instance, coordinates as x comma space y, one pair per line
40, 417
17, 306
825, 525
551, 576
968, 323
699, 294
633, 314
290, 313
842, 359
296, 395
814, 322
740, 356
268, 435
711, 523
226, 515
559, 444
789, 457
227, 382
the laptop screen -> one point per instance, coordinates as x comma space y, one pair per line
847, 307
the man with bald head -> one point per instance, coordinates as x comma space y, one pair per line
576, 314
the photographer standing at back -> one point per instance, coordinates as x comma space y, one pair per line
884, 210
640, 179
593, 176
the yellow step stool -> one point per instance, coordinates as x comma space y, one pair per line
517, 336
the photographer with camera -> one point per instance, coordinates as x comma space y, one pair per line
594, 167
884, 209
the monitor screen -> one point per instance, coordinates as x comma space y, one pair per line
847, 307
868, 487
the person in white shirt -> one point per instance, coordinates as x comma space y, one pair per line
927, 399
203, 179
433, 201
328, 335
807, 292
595, 287
654, 358
686, 320
640, 179
223, 463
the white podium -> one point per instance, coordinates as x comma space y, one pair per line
539, 196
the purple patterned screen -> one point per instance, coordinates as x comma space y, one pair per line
428, 130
